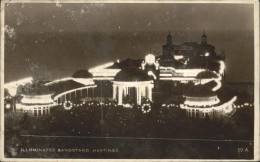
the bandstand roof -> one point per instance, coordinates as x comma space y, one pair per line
132, 74
207, 74
200, 90
64, 86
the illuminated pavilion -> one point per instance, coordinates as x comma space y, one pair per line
189, 62
36, 105
132, 82
201, 100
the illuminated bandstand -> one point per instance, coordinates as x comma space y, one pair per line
36, 105
132, 82
201, 100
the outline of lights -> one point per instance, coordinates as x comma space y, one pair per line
222, 67
67, 103
144, 110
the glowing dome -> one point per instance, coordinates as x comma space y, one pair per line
132, 74
82, 74
150, 59
200, 91
200, 95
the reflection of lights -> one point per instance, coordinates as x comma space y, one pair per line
206, 54
8, 106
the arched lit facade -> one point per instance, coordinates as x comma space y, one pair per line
132, 80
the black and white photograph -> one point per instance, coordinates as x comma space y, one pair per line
129, 80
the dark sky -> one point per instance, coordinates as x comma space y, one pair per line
55, 40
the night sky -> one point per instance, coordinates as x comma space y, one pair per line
55, 40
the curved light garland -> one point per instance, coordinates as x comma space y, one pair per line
145, 110
67, 105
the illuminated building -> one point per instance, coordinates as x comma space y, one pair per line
36, 105
178, 63
135, 80
201, 100
187, 49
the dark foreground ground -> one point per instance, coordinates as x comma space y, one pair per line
129, 133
